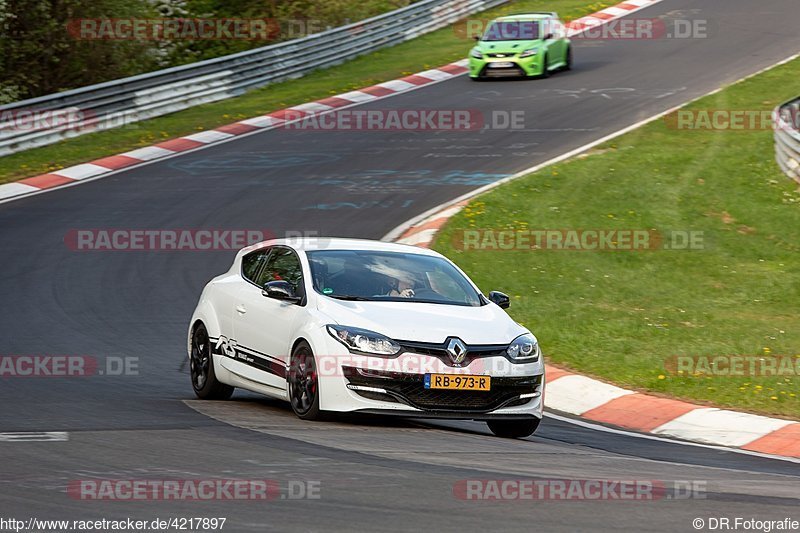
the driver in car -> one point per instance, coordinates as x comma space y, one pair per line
402, 288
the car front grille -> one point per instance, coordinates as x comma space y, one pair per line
475, 351
410, 389
504, 72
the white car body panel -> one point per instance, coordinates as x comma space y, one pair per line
270, 328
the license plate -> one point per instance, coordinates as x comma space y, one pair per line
501, 64
457, 381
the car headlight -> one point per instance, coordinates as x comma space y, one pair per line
529, 53
364, 341
524, 348
476, 53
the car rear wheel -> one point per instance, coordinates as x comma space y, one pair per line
201, 367
513, 429
304, 383
568, 66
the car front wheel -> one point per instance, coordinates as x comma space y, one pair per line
545, 69
304, 383
513, 429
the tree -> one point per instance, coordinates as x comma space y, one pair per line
39, 55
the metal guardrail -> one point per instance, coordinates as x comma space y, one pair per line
787, 138
48, 119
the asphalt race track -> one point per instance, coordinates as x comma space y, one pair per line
375, 474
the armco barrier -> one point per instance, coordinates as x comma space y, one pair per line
115, 103
787, 138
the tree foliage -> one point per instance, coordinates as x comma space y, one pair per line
39, 56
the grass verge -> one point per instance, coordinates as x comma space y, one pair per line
428, 51
622, 315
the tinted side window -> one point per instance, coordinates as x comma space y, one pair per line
252, 263
284, 265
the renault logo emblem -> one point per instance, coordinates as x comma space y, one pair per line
457, 350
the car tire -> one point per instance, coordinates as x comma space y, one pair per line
303, 382
545, 70
568, 66
201, 368
513, 429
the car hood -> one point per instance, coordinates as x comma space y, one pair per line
506, 47
423, 322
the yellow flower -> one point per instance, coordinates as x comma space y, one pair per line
662, 376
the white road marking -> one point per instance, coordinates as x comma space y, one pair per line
312, 107
605, 429
35, 436
79, 172
576, 394
717, 426
10, 190
148, 152
208, 136
397, 85
356, 96
264, 121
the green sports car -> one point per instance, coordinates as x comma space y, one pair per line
531, 45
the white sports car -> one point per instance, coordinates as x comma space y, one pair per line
344, 325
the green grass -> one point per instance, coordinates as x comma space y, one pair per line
429, 51
619, 315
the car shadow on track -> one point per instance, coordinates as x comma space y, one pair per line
279, 411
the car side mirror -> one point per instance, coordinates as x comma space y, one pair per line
280, 290
477, 38
500, 299
548, 36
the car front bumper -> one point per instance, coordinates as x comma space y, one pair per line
512, 66
358, 383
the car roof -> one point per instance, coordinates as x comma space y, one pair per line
310, 244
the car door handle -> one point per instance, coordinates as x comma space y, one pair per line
241, 309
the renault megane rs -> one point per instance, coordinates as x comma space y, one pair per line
344, 325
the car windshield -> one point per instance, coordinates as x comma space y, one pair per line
390, 276
512, 31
